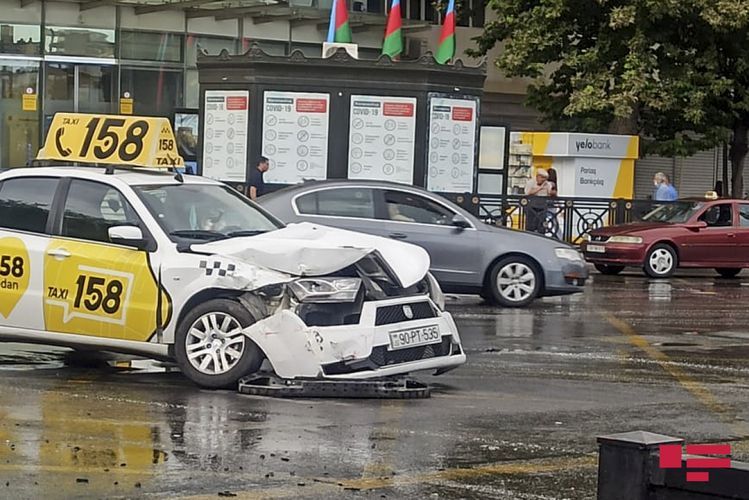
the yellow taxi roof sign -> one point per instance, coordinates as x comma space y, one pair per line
111, 139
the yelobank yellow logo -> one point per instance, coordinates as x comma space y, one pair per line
592, 145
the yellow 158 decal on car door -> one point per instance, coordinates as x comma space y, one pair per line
98, 294
14, 273
100, 290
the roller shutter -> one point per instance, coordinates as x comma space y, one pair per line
696, 174
692, 175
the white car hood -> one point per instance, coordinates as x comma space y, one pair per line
307, 249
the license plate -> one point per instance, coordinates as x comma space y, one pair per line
596, 248
413, 337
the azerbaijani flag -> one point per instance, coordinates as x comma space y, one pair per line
392, 45
339, 29
446, 48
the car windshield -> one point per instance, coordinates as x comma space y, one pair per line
192, 213
673, 212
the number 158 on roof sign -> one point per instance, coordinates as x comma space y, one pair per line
111, 139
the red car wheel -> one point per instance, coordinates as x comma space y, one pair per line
661, 261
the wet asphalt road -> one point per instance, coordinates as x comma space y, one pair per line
519, 420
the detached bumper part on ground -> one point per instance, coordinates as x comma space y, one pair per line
361, 389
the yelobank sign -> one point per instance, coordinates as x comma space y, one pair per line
587, 165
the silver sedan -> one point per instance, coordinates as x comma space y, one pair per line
505, 266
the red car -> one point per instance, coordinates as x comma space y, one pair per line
695, 233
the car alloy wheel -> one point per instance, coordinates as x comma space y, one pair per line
215, 343
660, 262
516, 282
210, 345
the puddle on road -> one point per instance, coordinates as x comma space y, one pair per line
659, 291
22, 359
675, 344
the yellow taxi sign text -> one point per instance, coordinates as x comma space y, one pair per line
111, 139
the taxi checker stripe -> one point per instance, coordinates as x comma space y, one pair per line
221, 268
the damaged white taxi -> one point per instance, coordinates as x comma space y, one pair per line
180, 268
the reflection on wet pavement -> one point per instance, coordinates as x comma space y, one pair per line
518, 421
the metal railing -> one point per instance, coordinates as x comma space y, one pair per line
563, 218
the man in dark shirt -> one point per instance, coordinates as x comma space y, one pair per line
257, 183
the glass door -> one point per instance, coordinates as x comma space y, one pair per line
78, 88
19, 127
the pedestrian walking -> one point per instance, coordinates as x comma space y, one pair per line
539, 189
554, 183
554, 216
257, 182
540, 186
664, 191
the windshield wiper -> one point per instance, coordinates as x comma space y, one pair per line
198, 234
236, 234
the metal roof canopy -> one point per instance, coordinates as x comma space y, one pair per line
260, 11
150, 6
257, 67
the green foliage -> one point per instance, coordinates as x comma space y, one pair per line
670, 70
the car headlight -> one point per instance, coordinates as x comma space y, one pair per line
625, 239
587, 237
435, 292
568, 254
325, 289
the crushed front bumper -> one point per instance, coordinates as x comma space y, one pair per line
361, 350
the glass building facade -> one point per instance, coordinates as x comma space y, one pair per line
85, 57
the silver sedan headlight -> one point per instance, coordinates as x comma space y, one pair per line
634, 240
325, 289
568, 254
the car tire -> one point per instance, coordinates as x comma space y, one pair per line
729, 272
514, 281
608, 269
224, 354
660, 261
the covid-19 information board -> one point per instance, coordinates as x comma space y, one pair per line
451, 149
225, 134
295, 136
382, 134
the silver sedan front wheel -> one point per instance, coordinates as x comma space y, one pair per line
215, 343
515, 281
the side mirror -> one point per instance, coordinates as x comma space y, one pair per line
696, 226
130, 236
460, 221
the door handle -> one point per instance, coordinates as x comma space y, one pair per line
398, 236
59, 253
731, 235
